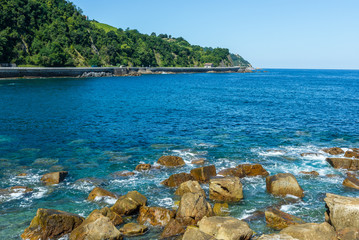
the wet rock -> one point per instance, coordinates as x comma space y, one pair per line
177, 179
171, 161
193, 207
314, 173
332, 175
123, 174
189, 186
311, 231
143, 167
342, 212
279, 220
193, 233
21, 189
173, 228
199, 161
51, 224
282, 184
276, 237
348, 234
21, 175
333, 151
203, 174
156, 216
129, 203
234, 172
54, 177
350, 154
310, 154
228, 189
133, 229
252, 170
225, 228
98, 192
345, 163
351, 181
221, 209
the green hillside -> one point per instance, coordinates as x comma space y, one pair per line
56, 33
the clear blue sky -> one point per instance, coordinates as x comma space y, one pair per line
268, 33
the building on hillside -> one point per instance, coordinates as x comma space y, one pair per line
208, 65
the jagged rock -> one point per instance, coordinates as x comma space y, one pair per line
129, 203
200, 161
173, 228
314, 173
282, 184
252, 170
193, 207
123, 174
193, 233
190, 186
155, 216
350, 154
310, 154
203, 174
171, 161
311, 231
49, 224
177, 179
225, 228
348, 234
221, 209
345, 163
133, 229
333, 151
276, 237
98, 192
351, 181
234, 172
54, 177
228, 189
279, 220
342, 212
143, 167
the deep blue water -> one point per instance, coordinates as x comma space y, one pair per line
94, 127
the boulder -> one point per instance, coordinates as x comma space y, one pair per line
193, 233
156, 216
333, 151
54, 177
193, 207
279, 220
173, 228
345, 163
311, 231
199, 161
234, 172
98, 192
143, 167
171, 161
177, 179
348, 234
252, 170
129, 203
221, 209
227, 189
351, 154
282, 184
342, 212
351, 181
190, 186
49, 224
133, 229
276, 237
203, 174
225, 228
314, 173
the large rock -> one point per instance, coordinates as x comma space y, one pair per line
333, 151
193, 233
156, 216
342, 212
311, 231
129, 203
282, 184
203, 174
54, 177
225, 228
234, 172
350, 154
49, 224
173, 228
279, 220
143, 167
193, 207
171, 161
228, 189
177, 179
98, 192
252, 170
351, 181
345, 163
189, 186
133, 229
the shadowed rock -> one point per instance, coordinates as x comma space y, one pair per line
173, 228
203, 174
350, 154
279, 220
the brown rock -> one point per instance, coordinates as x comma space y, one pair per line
98, 192
345, 163
333, 151
155, 216
310, 154
21, 189
193, 233
143, 167
228, 189
282, 184
279, 220
49, 224
252, 170
199, 161
332, 175
133, 229
351, 181
221, 209
314, 173
311, 231
123, 174
173, 228
171, 161
177, 179
54, 178
129, 203
21, 175
189, 186
234, 172
114, 217
350, 154
276, 237
348, 234
203, 174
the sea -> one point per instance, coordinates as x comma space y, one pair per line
94, 127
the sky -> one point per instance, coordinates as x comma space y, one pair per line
319, 34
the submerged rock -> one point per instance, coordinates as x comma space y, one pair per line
143, 167
189, 186
203, 174
282, 184
199, 161
314, 173
252, 170
177, 179
173, 228
54, 177
279, 220
51, 224
156, 216
333, 151
123, 174
133, 229
345, 163
171, 161
129, 203
98, 192
311, 231
21, 189
228, 189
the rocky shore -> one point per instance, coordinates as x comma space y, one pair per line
194, 217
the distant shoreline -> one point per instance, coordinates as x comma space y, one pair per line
52, 72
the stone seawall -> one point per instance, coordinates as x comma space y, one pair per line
18, 72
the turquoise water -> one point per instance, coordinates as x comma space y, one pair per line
97, 126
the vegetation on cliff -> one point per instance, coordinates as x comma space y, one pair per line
56, 33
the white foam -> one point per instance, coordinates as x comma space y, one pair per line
108, 200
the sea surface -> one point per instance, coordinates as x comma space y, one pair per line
97, 126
